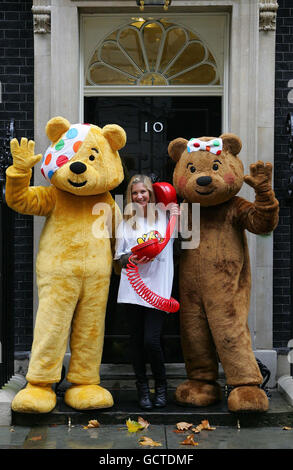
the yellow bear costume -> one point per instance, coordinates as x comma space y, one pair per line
74, 261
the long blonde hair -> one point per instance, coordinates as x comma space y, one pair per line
146, 181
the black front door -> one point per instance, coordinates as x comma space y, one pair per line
150, 124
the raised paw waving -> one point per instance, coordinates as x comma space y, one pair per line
260, 177
23, 154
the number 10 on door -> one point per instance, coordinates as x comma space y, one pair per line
156, 127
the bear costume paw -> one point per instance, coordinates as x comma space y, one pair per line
248, 398
34, 399
198, 393
88, 397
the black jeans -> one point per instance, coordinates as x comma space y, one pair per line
145, 326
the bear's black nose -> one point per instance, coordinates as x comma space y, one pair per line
204, 180
77, 167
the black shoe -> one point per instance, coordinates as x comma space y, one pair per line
160, 394
144, 395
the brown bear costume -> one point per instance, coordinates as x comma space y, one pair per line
215, 278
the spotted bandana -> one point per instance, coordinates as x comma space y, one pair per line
214, 146
59, 154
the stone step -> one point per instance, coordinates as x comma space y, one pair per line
125, 406
120, 380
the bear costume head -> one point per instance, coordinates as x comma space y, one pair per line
208, 169
83, 159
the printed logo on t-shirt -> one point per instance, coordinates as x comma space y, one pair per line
150, 236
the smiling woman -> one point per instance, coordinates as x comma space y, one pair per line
140, 195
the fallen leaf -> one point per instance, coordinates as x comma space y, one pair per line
147, 441
93, 423
204, 425
182, 426
179, 431
133, 426
197, 429
287, 428
145, 424
189, 441
35, 438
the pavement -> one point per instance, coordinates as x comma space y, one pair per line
65, 431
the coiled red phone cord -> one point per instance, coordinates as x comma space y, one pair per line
167, 305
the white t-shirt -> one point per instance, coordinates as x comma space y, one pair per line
157, 275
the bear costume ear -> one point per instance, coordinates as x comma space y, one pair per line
115, 135
56, 127
176, 147
231, 143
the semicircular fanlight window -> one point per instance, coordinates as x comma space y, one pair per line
153, 52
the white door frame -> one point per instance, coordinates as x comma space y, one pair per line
221, 90
248, 102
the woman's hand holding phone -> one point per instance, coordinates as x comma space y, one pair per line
138, 260
174, 210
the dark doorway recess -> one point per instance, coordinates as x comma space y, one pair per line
150, 122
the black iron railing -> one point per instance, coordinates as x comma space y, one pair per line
6, 266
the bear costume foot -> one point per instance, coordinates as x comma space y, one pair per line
248, 398
198, 393
35, 399
88, 397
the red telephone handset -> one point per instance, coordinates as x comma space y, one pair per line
166, 194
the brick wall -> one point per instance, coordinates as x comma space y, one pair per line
16, 76
282, 330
